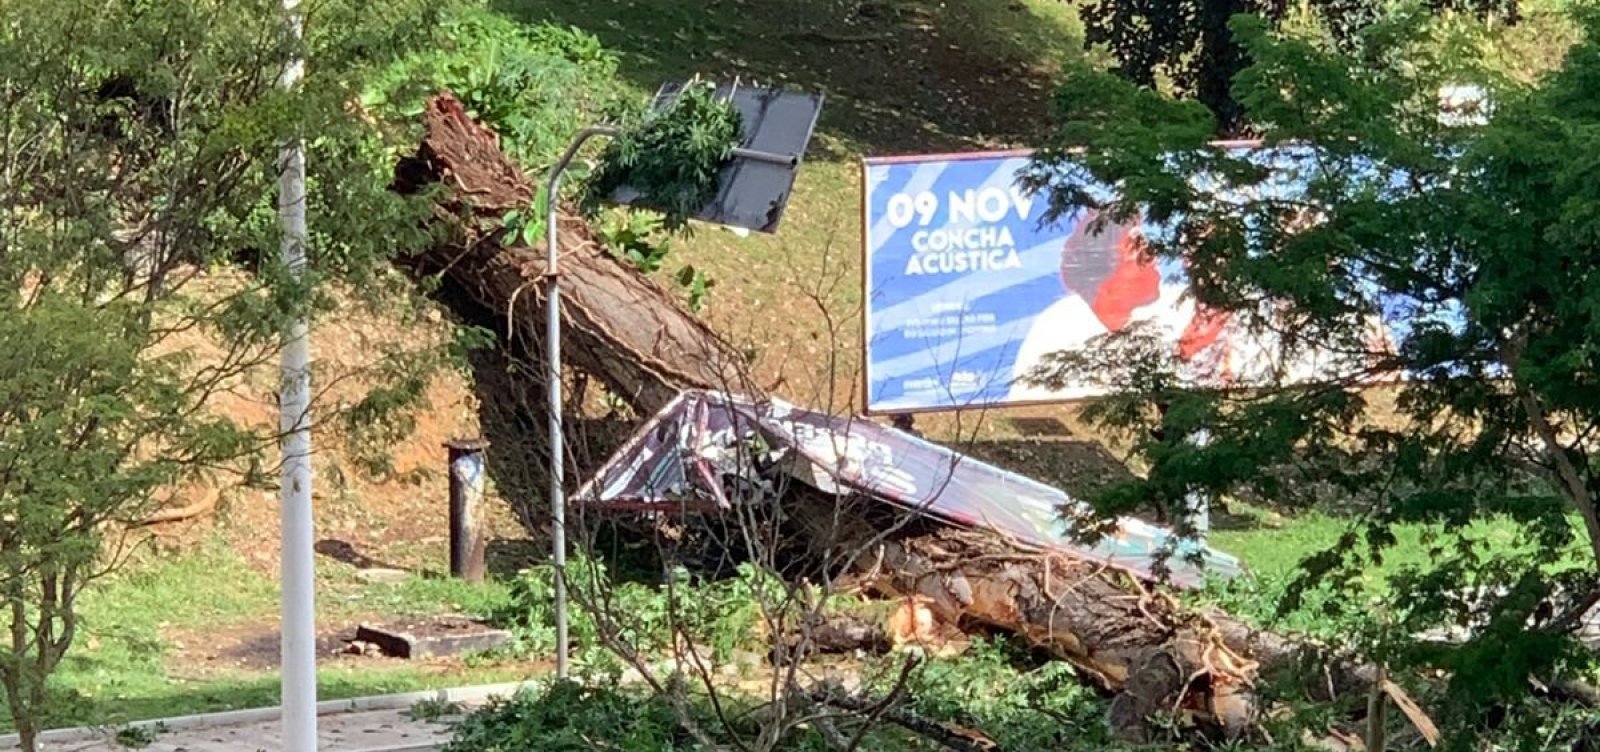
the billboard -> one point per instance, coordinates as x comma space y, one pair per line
967, 288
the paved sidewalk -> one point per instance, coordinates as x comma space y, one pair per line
360, 731
369, 724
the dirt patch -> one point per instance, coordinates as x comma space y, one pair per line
385, 497
243, 648
1077, 467
254, 647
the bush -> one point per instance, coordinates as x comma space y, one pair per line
567, 716
534, 85
722, 613
1000, 688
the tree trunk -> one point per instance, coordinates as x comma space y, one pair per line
1133, 641
617, 325
1155, 655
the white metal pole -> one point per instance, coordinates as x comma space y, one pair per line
1200, 503
558, 499
299, 659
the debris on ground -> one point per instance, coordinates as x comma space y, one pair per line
958, 541
428, 637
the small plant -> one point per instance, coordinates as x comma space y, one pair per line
529, 83
636, 237
567, 716
433, 709
640, 238
672, 159
139, 736
528, 227
698, 285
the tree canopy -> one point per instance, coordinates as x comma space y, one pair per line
139, 157
1474, 238
1189, 43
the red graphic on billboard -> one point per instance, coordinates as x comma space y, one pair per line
1104, 263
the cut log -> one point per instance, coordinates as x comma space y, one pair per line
1157, 657
618, 325
828, 634
840, 633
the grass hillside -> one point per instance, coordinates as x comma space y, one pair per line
900, 76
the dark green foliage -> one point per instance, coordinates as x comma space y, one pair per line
642, 616
74, 397
1021, 703
637, 238
535, 85
567, 717
142, 142
995, 688
1189, 42
138, 737
672, 158
1491, 224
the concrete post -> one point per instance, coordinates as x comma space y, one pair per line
467, 540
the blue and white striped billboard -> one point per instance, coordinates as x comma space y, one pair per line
967, 289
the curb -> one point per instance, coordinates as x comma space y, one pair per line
478, 693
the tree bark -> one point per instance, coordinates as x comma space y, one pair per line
832, 634
1138, 643
617, 325
1156, 656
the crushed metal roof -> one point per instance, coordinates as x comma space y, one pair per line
685, 456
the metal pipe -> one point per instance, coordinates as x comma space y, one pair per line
787, 160
558, 502
1199, 502
299, 638
467, 544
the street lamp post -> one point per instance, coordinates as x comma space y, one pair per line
781, 124
299, 658
552, 333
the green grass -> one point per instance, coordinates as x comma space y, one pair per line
121, 668
202, 585
1275, 551
899, 76
117, 660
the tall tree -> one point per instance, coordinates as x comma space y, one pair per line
1190, 44
138, 157
1474, 237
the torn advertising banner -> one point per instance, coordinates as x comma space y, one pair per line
694, 451
968, 287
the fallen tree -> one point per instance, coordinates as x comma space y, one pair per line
865, 507
628, 332
1157, 657
618, 326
